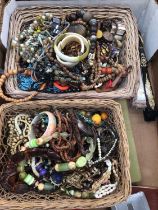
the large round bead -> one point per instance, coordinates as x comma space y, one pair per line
93, 22
87, 16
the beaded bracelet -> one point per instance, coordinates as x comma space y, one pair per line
30, 179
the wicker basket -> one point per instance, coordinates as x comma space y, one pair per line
35, 201
2, 5
130, 55
2, 50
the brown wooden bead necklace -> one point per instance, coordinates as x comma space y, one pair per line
3, 78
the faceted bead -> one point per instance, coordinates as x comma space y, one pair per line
29, 179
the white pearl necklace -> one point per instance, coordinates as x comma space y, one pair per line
105, 190
99, 151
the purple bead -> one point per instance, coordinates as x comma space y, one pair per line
57, 177
39, 167
43, 172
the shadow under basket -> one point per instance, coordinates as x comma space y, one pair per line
129, 53
32, 200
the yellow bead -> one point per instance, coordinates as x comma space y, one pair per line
2, 80
96, 118
3, 77
15, 71
99, 34
41, 186
10, 72
40, 141
104, 116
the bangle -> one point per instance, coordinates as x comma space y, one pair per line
50, 128
70, 60
70, 38
67, 64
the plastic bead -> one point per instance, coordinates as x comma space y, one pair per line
104, 116
96, 118
65, 166
29, 179
40, 186
85, 195
57, 177
20, 168
22, 175
99, 34
81, 162
43, 172
77, 194
32, 143
48, 186
93, 22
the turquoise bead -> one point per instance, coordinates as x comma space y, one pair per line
48, 186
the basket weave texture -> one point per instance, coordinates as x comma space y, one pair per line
129, 53
2, 53
2, 5
33, 200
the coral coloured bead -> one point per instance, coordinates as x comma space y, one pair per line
104, 116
